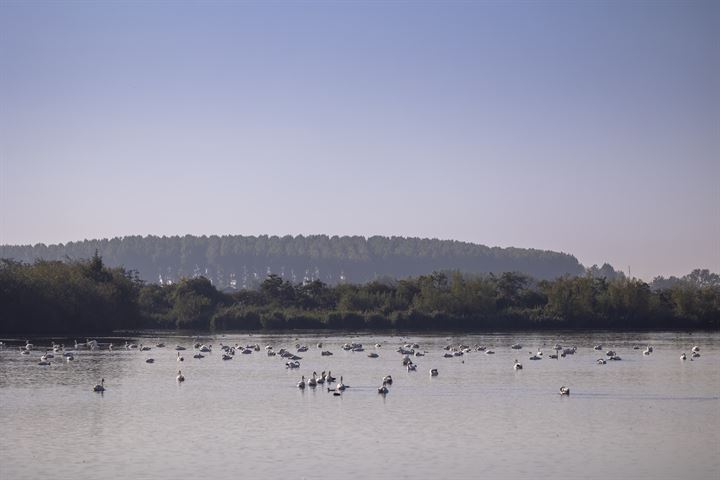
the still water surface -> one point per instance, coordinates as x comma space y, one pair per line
646, 416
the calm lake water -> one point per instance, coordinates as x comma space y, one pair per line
646, 416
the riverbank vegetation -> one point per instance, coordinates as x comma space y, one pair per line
87, 296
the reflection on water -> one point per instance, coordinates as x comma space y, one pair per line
646, 416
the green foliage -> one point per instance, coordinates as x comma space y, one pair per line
87, 296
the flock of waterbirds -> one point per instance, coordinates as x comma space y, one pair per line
407, 351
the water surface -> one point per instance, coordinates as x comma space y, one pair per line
646, 416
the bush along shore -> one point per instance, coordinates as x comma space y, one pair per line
87, 296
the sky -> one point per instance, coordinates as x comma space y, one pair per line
591, 128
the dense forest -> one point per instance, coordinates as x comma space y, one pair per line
84, 296
241, 262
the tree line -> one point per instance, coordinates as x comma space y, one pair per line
243, 261
88, 296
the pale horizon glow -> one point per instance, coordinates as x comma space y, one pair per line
586, 128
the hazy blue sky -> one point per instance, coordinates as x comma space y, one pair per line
586, 127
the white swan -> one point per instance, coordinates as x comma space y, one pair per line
100, 387
179, 358
694, 349
564, 390
340, 386
301, 383
411, 367
180, 377
683, 356
517, 365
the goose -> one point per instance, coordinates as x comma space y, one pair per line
292, 364
313, 381
535, 357
433, 372
383, 390
695, 355
329, 377
597, 347
517, 365
683, 356
321, 380
226, 356
198, 355
516, 346
695, 349
144, 348
160, 345
489, 352
179, 347
411, 367
180, 377
564, 390
319, 345
301, 383
43, 362
601, 361
100, 387
69, 358
373, 355
554, 355
150, 360
179, 358
387, 379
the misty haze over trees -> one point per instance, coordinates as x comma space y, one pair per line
236, 262
86, 296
